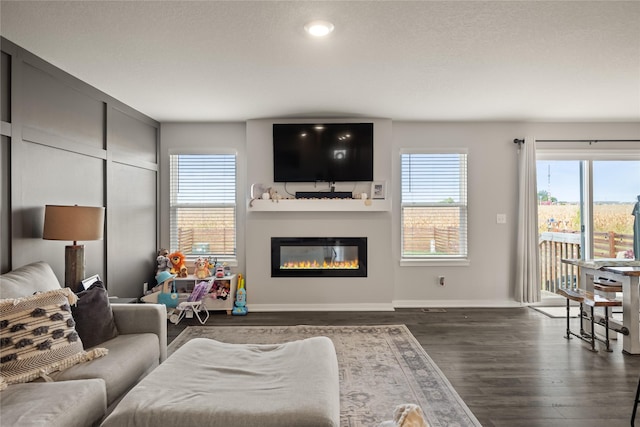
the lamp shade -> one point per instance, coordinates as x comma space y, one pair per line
73, 223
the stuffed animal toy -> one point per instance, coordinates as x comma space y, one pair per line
178, 264
222, 293
201, 269
227, 269
162, 261
219, 272
273, 195
407, 415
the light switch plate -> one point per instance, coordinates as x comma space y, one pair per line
501, 218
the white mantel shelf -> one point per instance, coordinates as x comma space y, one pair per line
320, 205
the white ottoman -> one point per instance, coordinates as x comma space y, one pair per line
206, 382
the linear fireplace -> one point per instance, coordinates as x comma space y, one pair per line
318, 257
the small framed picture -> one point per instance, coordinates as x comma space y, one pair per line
378, 190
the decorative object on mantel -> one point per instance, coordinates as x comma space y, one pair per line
378, 190
264, 192
257, 192
73, 223
273, 195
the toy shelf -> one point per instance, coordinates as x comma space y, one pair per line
184, 286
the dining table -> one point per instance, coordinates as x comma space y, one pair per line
627, 273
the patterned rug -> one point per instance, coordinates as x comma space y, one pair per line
380, 367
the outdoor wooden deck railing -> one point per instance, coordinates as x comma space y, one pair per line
206, 240
554, 246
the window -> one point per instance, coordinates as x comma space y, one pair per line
203, 205
434, 205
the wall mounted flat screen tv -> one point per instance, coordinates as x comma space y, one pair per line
327, 152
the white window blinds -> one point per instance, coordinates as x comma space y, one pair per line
203, 205
434, 205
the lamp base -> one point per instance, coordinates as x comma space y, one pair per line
73, 266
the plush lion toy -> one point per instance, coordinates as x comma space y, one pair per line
178, 264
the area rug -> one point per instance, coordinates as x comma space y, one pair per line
380, 367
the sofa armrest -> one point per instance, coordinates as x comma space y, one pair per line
143, 318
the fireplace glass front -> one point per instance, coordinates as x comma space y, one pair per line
318, 257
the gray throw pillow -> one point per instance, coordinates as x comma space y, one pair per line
93, 316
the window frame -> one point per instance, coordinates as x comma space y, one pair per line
586, 158
437, 260
231, 260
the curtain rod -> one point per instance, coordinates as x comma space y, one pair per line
521, 141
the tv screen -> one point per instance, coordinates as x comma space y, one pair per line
329, 152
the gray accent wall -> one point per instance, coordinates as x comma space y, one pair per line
65, 142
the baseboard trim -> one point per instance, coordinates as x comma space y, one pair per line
320, 307
384, 306
456, 304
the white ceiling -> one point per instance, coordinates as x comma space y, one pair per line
420, 60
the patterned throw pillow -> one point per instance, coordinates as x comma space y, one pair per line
37, 337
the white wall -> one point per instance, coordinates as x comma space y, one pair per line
374, 292
493, 178
203, 138
486, 281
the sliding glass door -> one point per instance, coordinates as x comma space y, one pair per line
616, 186
559, 219
584, 211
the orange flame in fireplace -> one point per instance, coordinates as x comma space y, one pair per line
325, 265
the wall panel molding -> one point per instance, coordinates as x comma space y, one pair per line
5, 129
38, 136
124, 159
68, 142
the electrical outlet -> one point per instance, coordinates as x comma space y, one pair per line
501, 218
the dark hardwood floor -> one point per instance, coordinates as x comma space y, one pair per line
512, 366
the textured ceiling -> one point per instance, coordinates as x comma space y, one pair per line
420, 60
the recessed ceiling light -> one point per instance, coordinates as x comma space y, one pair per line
319, 28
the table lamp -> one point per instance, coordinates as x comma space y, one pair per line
73, 223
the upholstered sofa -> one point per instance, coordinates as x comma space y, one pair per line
85, 393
